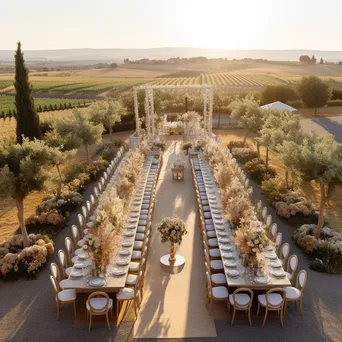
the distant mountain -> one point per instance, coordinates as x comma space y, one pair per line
118, 55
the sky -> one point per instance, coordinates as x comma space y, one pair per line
219, 24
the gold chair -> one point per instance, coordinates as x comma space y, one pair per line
99, 304
273, 300
63, 296
241, 301
292, 264
295, 294
218, 293
129, 294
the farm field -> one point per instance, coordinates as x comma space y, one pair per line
8, 213
7, 103
311, 190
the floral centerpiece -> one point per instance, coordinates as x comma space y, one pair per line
250, 242
172, 230
179, 163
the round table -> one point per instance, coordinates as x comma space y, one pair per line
177, 267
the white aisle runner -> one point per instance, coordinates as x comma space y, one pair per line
174, 305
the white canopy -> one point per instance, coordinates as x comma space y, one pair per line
278, 105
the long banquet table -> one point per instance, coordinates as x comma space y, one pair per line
224, 231
115, 283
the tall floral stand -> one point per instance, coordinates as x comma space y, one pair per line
172, 263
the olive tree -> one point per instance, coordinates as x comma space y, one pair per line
314, 92
23, 169
62, 153
78, 131
279, 126
107, 113
249, 116
319, 159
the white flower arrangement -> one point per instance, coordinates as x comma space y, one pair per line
172, 229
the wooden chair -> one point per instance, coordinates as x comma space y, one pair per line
128, 294
69, 250
242, 301
284, 253
273, 300
55, 272
278, 238
218, 293
99, 304
292, 264
295, 294
264, 214
217, 279
272, 231
63, 263
64, 296
268, 221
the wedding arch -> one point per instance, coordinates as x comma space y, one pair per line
207, 93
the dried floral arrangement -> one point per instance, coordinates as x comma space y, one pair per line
172, 229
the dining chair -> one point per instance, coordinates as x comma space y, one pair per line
69, 250
258, 207
278, 238
215, 265
272, 231
129, 294
292, 264
81, 222
284, 253
63, 296
295, 294
100, 187
268, 221
264, 214
241, 300
96, 192
84, 212
132, 278
273, 300
63, 263
54, 270
217, 279
76, 236
92, 200
218, 293
99, 304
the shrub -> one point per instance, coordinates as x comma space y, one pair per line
296, 104
96, 168
256, 169
160, 145
291, 204
108, 150
238, 143
275, 93
334, 103
124, 126
336, 94
186, 147
273, 188
16, 260
244, 154
45, 127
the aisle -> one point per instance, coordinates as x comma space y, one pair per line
174, 305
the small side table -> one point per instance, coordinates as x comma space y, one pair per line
177, 173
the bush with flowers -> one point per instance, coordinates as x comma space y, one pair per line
172, 229
15, 260
325, 252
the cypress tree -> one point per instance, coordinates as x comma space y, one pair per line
26, 116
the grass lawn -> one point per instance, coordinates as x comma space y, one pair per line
8, 212
333, 212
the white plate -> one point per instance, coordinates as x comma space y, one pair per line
233, 273
129, 234
98, 282
269, 248
230, 263
118, 273
278, 274
222, 234
125, 252
83, 255
275, 264
79, 265
131, 226
224, 240
126, 244
76, 273
135, 214
226, 248
228, 255
260, 280
133, 220
271, 256
122, 262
